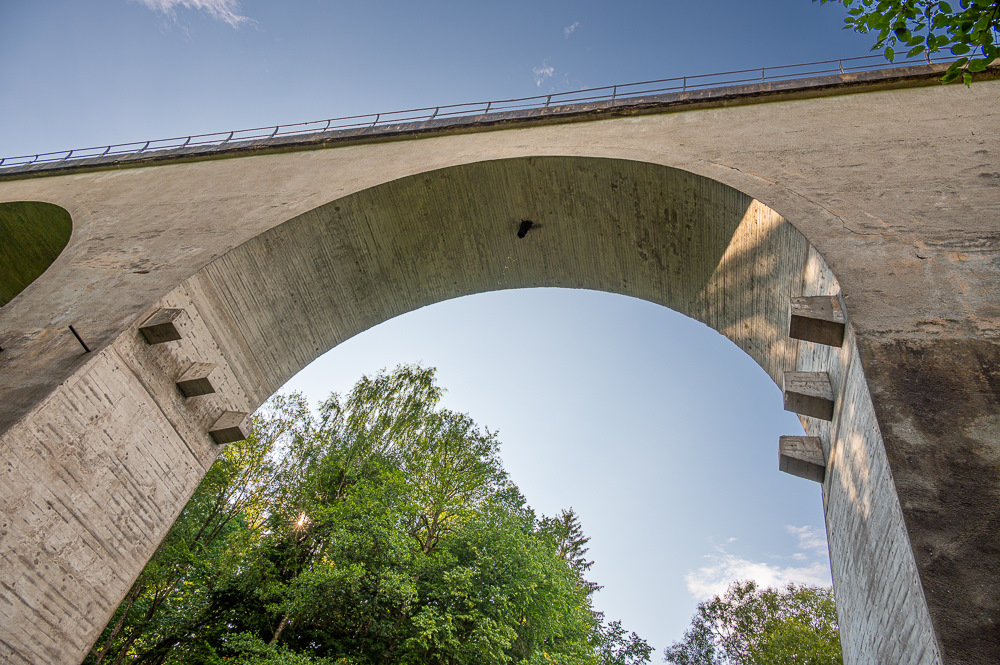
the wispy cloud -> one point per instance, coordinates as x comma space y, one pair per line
724, 568
227, 11
570, 29
542, 72
809, 538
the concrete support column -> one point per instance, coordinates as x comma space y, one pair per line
92, 479
938, 408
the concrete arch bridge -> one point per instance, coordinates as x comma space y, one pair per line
844, 231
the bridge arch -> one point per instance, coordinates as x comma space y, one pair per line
654, 232
102, 449
264, 310
633, 228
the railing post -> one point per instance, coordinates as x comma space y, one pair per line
762, 78
614, 93
685, 85
840, 63
547, 100
377, 116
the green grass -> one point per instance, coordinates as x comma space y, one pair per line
31, 236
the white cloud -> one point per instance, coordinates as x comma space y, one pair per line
542, 72
809, 538
724, 568
223, 10
570, 29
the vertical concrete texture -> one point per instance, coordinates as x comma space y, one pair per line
722, 211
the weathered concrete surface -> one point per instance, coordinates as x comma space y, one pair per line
277, 257
940, 400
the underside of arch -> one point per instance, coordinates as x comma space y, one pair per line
638, 229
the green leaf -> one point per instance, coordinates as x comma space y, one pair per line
977, 64
916, 50
967, 78
889, 54
959, 49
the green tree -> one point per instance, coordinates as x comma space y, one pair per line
752, 626
567, 534
172, 593
969, 29
614, 645
379, 528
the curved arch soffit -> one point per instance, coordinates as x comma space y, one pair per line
649, 231
32, 235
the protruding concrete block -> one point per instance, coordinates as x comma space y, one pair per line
231, 426
161, 326
802, 456
817, 319
809, 394
196, 380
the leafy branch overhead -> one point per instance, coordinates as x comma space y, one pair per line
968, 29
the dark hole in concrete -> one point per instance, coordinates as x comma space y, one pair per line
523, 229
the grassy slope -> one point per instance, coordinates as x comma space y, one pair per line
31, 236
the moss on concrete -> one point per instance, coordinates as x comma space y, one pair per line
31, 236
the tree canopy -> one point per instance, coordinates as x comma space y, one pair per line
379, 528
752, 626
969, 29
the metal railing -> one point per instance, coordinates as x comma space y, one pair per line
614, 94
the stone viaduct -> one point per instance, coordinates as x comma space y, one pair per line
844, 231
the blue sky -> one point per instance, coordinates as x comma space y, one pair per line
656, 429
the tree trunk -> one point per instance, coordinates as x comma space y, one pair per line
130, 600
281, 627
